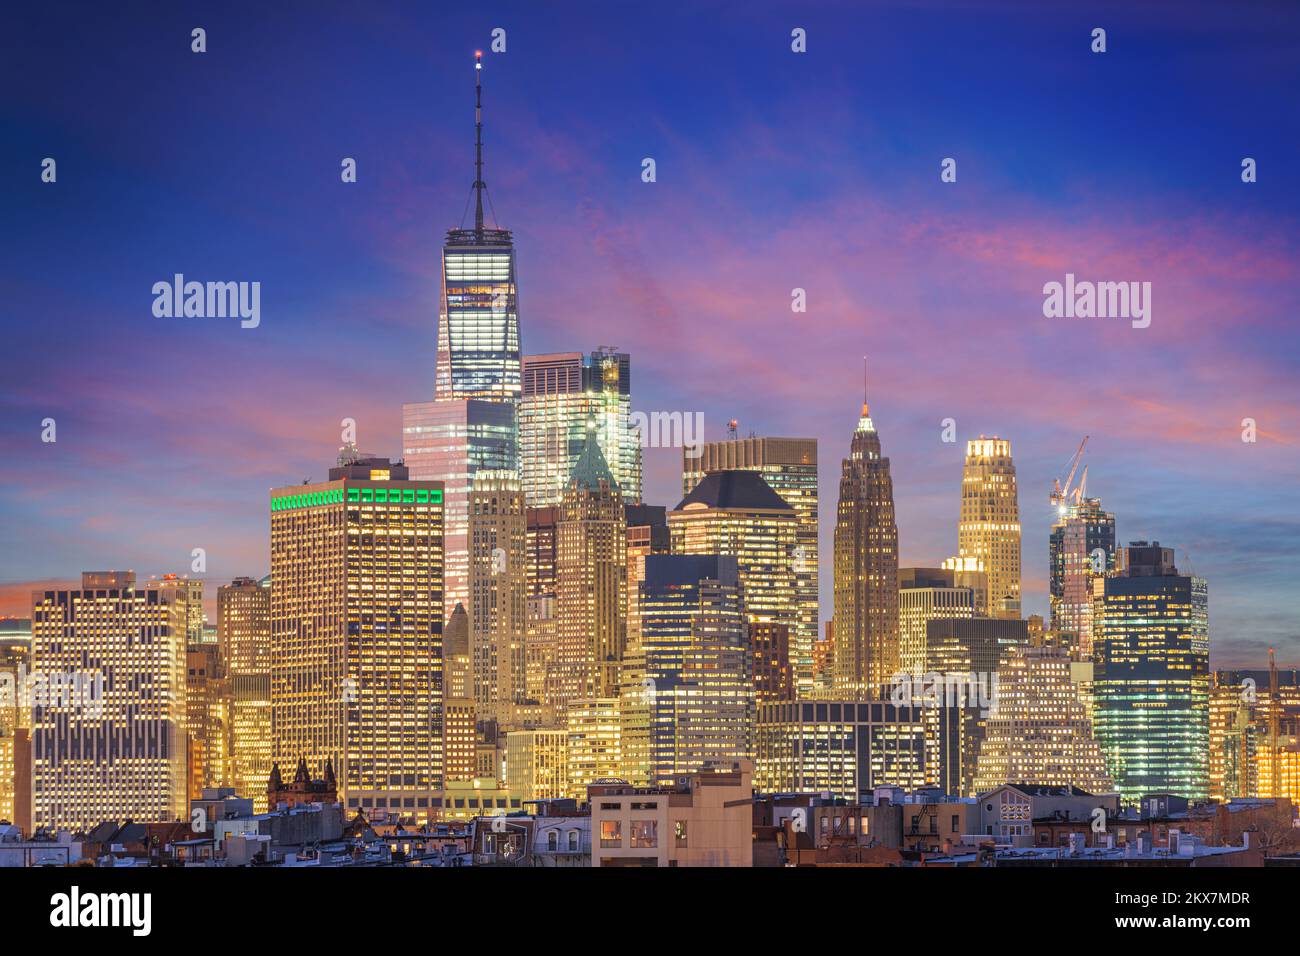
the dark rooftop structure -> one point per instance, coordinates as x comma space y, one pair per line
734, 490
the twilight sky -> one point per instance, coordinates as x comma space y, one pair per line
775, 170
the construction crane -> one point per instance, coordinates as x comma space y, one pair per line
1274, 719
1059, 494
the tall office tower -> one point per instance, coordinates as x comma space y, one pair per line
590, 582
865, 570
478, 323
1151, 647
15, 721
498, 586
244, 637
542, 552
698, 667
208, 707
1037, 732
737, 513
845, 748
594, 748
990, 522
926, 594
965, 651
471, 425
356, 627
452, 443
457, 663
1081, 528
789, 466
647, 534
564, 395
114, 748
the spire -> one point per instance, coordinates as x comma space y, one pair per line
591, 468
479, 185
864, 420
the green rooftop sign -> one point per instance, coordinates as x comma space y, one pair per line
334, 496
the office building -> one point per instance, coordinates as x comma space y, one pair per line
356, 631
789, 467
989, 527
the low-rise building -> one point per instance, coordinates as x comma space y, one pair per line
706, 820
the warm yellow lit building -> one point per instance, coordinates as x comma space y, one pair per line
244, 636
789, 466
537, 763
356, 627
460, 740
594, 743
989, 528
590, 582
107, 751
736, 513
498, 583
1037, 731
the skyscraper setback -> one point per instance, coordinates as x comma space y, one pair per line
789, 466
989, 530
866, 569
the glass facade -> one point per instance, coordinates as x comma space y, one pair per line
1152, 680
564, 394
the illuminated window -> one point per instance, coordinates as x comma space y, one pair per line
611, 833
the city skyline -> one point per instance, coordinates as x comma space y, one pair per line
187, 424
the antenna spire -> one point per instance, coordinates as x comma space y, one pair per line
865, 408
479, 185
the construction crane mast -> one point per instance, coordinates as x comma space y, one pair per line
1060, 495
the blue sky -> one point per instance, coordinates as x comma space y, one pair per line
775, 170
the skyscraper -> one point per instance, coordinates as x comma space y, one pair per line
1081, 528
1037, 732
498, 595
737, 513
356, 627
590, 581
926, 594
564, 395
789, 466
698, 667
116, 746
478, 325
208, 705
244, 636
865, 569
989, 529
1151, 646
470, 426
451, 443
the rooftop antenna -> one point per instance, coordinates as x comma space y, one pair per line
479, 185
